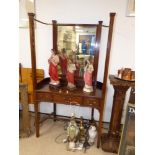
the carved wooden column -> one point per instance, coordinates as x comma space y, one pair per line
110, 141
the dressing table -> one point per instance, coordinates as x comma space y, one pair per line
61, 95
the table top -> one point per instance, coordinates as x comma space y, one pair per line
44, 86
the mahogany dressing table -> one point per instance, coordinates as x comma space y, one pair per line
61, 95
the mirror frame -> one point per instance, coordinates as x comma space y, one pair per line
79, 80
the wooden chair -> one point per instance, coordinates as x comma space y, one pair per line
25, 77
26, 96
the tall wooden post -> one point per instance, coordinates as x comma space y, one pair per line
106, 67
55, 36
33, 52
112, 17
98, 38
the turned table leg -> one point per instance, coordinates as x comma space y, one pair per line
92, 114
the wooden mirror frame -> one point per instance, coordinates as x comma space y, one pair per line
79, 80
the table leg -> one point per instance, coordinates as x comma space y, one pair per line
92, 114
100, 127
54, 109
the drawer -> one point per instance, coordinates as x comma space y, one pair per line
61, 99
75, 100
44, 97
91, 102
67, 99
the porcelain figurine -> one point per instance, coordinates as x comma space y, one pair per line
72, 130
63, 61
88, 70
92, 134
70, 74
72, 133
53, 69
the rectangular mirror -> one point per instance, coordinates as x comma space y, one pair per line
76, 43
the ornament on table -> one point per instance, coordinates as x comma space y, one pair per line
63, 61
81, 131
72, 133
70, 74
88, 72
126, 74
53, 68
92, 134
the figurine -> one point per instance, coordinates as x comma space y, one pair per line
77, 64
63, 61
92, 134
72, 131
70, 74
88, 70
81, 131
53, 69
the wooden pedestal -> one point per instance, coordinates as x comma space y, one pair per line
110, 141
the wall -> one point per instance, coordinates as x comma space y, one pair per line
82, 11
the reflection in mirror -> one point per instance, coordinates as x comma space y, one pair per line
76, 43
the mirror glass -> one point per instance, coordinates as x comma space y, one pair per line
76, 44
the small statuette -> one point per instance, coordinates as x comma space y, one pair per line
88, 70
72, 133
92, 134
53, 69
70, 74
63, 61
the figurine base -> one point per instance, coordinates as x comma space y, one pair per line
88, 89
71, 86
54, 86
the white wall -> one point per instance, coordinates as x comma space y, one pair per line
82, 11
